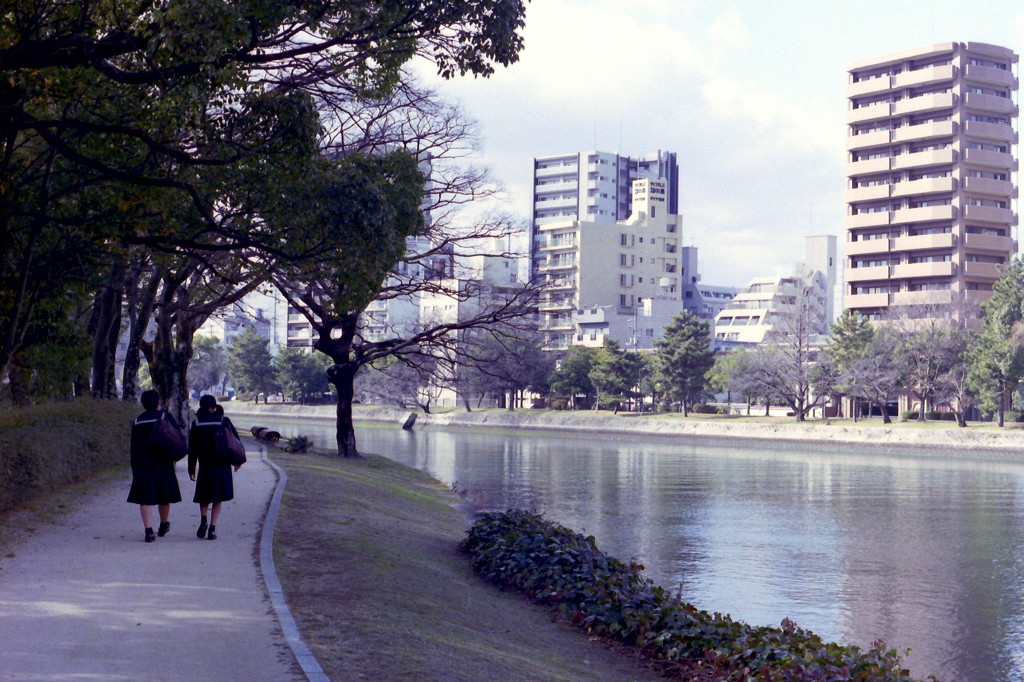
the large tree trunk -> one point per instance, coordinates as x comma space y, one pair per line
1001, 397
342, 377
140, 311
885, 413
105, 327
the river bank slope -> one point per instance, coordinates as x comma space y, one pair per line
976, 440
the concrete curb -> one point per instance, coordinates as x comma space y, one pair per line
307, 661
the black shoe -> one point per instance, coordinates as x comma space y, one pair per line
212, 535
201, 533
149, 535
164, 527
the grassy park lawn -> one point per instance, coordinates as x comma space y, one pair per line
367, 553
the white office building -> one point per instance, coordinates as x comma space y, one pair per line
601, 274
595, 187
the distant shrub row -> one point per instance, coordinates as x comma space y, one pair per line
606, 597
930, 415
45, 447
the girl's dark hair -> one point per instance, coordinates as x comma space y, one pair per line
150, 399
207, 402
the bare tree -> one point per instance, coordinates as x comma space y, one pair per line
932, 344
877, 375
786, 365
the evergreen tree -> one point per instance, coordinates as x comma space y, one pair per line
572, 378
301, 374
209, 363
250, 363
685, 357
997, 360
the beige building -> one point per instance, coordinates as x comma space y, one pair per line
930, 176
612, 267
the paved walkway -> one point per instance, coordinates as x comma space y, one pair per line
86, 598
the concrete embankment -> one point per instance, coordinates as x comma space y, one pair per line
974, 440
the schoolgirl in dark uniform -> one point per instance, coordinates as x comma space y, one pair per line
153, 479
214, 482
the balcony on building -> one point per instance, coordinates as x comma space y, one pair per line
929, 74
867, 274
563, 185
867, 193
867, 166
923, 241
861, 301
930, 157
870, 112
865, 246
555, 306
555, 171
873, 219
1002, 105
990, 214
988, 271
991, 131
923, 214
923, 186
553, 222
976, 297
990, 242
923, 103
875, 138
869, 86
560, 284
1003, 188
939, 297
909, 270
990, 74
990, 158
924, 131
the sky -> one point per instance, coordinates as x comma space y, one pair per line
750, 95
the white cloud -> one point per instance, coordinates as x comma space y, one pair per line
728, 30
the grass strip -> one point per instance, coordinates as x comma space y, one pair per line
368, 553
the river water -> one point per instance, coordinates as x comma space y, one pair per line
922, 552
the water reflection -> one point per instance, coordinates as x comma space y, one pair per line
857, 546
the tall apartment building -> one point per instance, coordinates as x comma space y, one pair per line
610, 267
930, 176
594, 187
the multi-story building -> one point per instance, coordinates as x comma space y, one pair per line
611, 267
595, 187
763, 304
703, 300
930, 186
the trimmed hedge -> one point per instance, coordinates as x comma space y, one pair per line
46, 447
555, 566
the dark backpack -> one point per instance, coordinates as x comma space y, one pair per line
227, 446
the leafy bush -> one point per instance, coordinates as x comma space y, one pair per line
910, 415
558, 404
701, 408
555, 566
83, 438
933, 415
